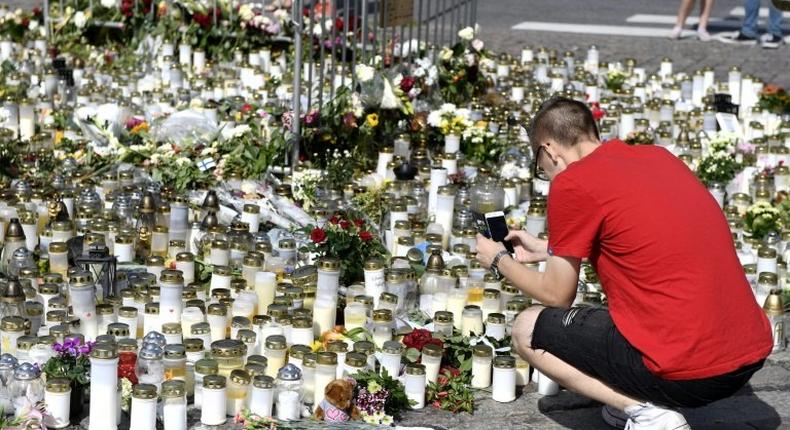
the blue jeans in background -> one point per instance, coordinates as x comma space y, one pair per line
752, 8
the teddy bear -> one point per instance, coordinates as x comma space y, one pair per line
337, 405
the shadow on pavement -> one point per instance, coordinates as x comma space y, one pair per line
745, 410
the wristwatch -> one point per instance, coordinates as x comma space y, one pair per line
495, 263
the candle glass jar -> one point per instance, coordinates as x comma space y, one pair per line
495, 326
203, 368
325, 372
262, 396
414, 384
104, 387
149, 368
355, 362
482, 356
174, 405
432, 360
229, 354
289, 389
503, 386
57, 398
174, 362
237, 389
143, 408
214, 408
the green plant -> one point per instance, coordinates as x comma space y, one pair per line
370, 383
71, 361
615, 80
348, 238
452, 392
762, 218
718, 167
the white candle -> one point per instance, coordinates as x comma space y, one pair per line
185, 54
503, 387
481, 366
288, 406
438, 179
265, 286
384, 158
58, 404
143, 412
27, 121
414, 384
103, 388
198, 61
452, 143
214, 403
734, 85
324, 313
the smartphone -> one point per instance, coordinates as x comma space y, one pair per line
497, 228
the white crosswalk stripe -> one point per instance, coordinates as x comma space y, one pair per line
653, 25
740, 12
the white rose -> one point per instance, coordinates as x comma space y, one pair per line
33, 25
466, 33
80, 19
478, 44
108, 3
446, 54
364, 73
183, 161
246, 13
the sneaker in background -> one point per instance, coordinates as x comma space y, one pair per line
738, 38
676, 33
703, 35
771, 41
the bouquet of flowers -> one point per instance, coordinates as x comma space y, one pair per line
479, 144
762, 218
449, 119
775, 99
717, 167
379, 397
460, 77
349, 238
615, 80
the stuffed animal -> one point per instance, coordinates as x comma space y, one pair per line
337, 405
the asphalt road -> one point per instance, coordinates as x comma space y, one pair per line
574, 25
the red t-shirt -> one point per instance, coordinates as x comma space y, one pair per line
665, 258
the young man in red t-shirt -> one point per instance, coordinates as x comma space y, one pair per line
682, 328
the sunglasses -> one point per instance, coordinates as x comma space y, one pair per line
537, 171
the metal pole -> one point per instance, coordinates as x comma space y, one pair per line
47, 30
296, 15
344, 39
364, 31
322, 61
335, 15
354, 47
380, 12
310, 59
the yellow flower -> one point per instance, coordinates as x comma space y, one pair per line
143, 126
58, 137
372, 119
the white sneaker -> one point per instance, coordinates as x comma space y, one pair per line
647, 416
703, 35
676, 33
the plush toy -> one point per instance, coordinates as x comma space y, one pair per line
337, 405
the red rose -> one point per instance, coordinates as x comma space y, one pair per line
418, 338
345, 224
366, 236
246, 108
359, 222
598, 113
334, 219
406, 84
318, 235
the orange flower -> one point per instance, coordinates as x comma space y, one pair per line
772, 89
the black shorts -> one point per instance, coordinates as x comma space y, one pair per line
587, 339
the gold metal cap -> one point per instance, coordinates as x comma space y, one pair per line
214, 382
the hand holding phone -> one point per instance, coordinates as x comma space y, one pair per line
497, 228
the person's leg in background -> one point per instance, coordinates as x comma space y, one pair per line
683, 13
706, 6
773, 38
752, 12
748, 32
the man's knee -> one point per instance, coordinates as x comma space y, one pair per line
523, 327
